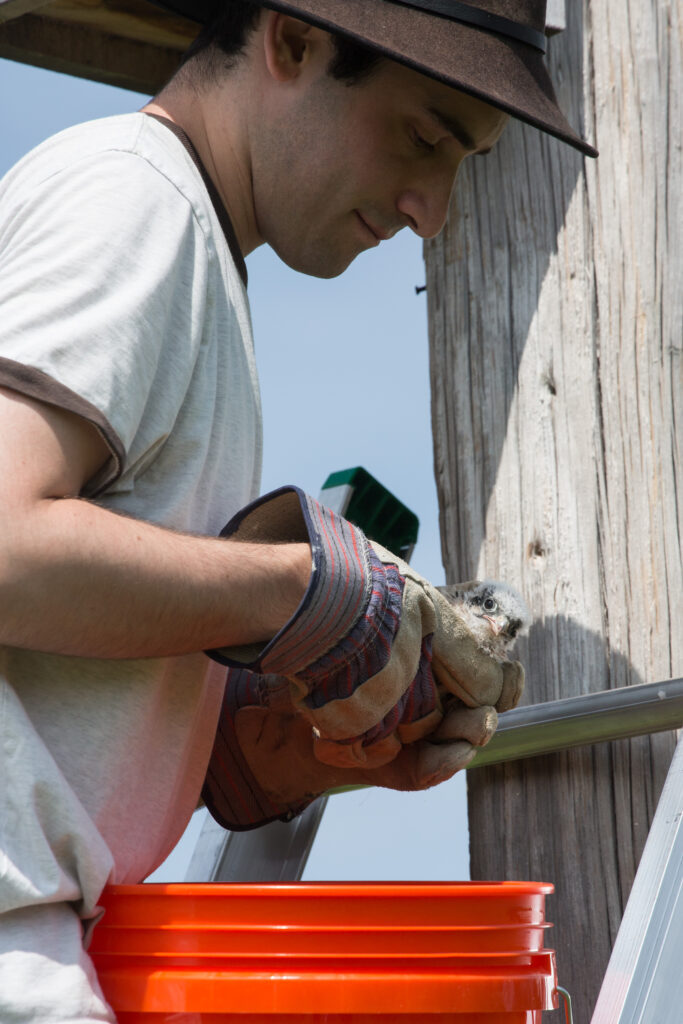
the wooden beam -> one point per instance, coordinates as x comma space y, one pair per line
87, 53
131, 19
10, 9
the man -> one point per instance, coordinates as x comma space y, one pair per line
130, 422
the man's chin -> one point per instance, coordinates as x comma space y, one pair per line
323, 265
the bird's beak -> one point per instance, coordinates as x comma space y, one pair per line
495, 626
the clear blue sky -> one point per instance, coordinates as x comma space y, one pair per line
345, 382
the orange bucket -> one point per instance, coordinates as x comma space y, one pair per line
339, 953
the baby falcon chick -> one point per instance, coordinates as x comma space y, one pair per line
494, 612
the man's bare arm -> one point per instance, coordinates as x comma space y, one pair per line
81, 580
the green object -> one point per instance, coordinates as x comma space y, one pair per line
365, 502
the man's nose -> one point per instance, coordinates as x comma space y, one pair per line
424, 205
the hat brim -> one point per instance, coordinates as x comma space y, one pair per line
508, 74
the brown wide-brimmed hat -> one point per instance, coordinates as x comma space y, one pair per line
491, 49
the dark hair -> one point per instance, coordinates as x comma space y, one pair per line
222, 39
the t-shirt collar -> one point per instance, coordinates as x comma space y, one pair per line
218, 204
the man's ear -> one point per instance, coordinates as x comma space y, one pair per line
287, 45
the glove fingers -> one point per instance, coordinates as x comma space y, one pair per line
464, 669
438, 762
421, 765
355, 755
513, 685
476, 725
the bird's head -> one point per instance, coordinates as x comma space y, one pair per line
502, 607
496, 612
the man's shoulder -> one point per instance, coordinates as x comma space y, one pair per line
129, 165
133, 134
124, 178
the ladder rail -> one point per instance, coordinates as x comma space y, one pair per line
643, 982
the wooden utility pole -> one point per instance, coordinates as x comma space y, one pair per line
556, 322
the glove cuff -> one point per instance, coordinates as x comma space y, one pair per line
339, 587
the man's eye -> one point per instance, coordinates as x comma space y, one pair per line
422, 143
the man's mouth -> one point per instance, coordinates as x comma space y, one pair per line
379, 234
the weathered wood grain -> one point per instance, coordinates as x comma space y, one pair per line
556, 321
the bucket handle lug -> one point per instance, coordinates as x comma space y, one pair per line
567, 1000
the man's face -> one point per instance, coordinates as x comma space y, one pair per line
342, 167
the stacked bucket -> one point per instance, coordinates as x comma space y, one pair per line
338, 953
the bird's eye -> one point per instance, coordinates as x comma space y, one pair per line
489, 604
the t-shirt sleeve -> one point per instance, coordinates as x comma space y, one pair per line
103, 282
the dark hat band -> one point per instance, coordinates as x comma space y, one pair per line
457, 11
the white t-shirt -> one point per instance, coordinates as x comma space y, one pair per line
122, 299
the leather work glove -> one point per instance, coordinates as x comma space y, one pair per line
373, 658
263, 766
369, 634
